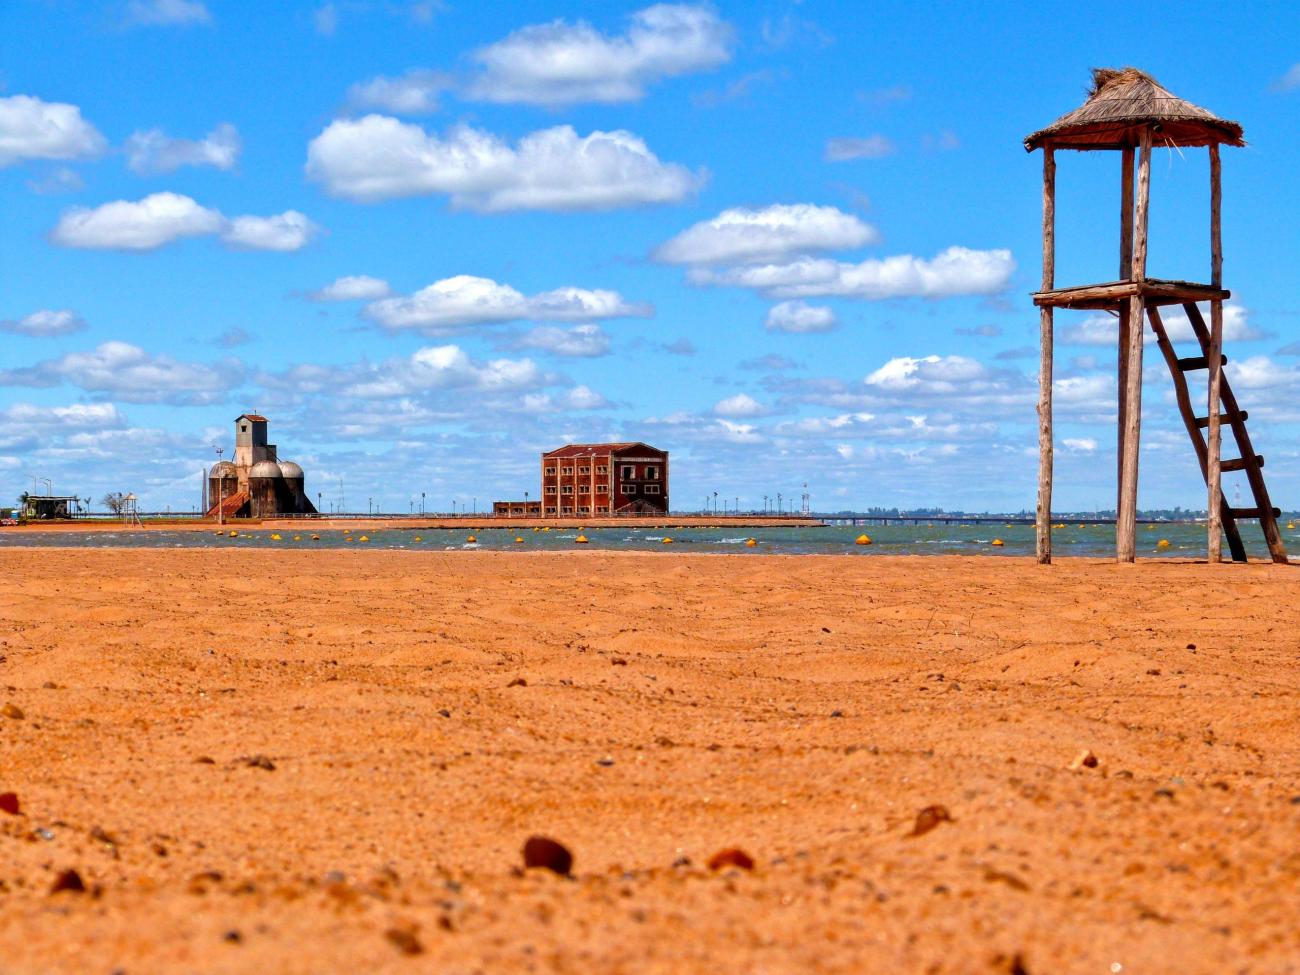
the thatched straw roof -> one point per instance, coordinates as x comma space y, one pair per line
1121, 103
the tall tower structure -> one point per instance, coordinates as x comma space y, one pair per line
1129, 112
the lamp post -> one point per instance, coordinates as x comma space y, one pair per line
370, 506
221, 483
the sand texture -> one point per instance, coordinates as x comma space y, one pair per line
288, 762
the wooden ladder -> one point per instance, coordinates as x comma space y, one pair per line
1232, 416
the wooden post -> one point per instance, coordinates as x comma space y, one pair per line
1214, 356
1044, 513
1131, 421
1125, 274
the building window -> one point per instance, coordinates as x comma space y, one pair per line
567, 489
583, 510
602, 488
550, 510
602, 469
652, 473
629, 472
550, 472
652, 489
584, 488
584, 470
550, 489
629, 489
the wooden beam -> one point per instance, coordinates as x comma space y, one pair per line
1043, 520
1125, 269
1153, 290
1213, 466
1126, 215
1131, 421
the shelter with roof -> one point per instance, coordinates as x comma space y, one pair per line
1128, 111
595, 479
256, 484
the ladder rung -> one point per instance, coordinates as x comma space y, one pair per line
1197, 362
1239, 513
1241, 463
1227, 416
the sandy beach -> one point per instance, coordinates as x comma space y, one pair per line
266, 761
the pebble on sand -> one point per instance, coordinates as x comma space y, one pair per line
404, 940
928, 818
542, 851
1085, 759
11, 710
9, 803
69, 880
731, 857
260, 761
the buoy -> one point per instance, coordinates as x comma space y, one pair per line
863, 540
998, 542
275, 537
519, 540
315, 538
668, 541
580, 540
536, 529
1151, 528
234, 534
418, 538
750, 543
1163, 543
472, 540
1290, 525
547, 528
364, 538
1062, 525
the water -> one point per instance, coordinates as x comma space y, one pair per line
1184, 540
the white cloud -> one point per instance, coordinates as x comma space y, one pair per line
467, 300
586, 341
847, 148
1080, 445
1261, 372
797, 316
1103, 329
932, 373
563, 64
444, 367
288, 231
162, 218
45, 323
153, 13
578, 398
352, 288
35, 129
739, 406
61, 180
773, 233
955, 271
155, 152
325, 18
380, 158
127, 372
78, 416
414, 93
1289, 81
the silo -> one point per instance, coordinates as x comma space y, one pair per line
263, 482
223, 482
294, 482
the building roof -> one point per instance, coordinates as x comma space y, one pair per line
580, 449
1122, 102
255, 417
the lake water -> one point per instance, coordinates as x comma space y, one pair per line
1184, 540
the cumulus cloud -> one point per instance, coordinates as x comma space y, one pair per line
739, 406
467, 300
1080, 445
932, 372
798, 316
773, 233
288, 231
578, 398
78, 416
127, 372
35, 129
1103, 329
580, 341
352, 288
955, 271
563, 64
162, 218
380, 158
45, 323
847, 148
443, 367
153, 152
414, 93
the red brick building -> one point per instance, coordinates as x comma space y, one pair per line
604, 479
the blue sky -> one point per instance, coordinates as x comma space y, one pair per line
787, 242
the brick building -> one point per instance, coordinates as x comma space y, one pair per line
603, 479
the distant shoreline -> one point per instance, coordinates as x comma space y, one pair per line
467, 523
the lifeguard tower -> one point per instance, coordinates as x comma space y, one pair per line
1130, 112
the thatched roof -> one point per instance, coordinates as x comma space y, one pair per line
1121, 103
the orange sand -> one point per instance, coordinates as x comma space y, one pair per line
710, 688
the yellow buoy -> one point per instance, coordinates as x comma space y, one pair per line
863, 540
234, 534
364, 538
750, 543
1290, 525
275, 537
472, 540
536, 529
580, 540
997, 541
1163, 543
419, 538
519, 540
1062, 525
547, 528
668, 541
1151, 528
315, 538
